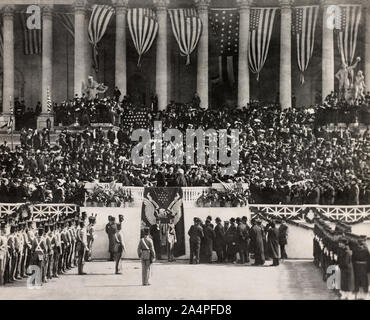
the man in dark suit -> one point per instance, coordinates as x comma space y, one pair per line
160, 177
196, 235
111, 229
155, 233
220, 241
283, 239
231, 241
209, 238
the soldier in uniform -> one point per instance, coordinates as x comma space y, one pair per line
30, 235
57, 249
12, 252
361, 262
90, 236
65, 244
3, 252
119, 247
220, 241
146, 253
38, 251
81, 247
196, 235
50, 240
20, 248
241, 240
346, 269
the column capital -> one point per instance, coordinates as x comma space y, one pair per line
286, 4
47, 11
202, 4
161, 4
244, 4
8, 11
120, 6
80, 6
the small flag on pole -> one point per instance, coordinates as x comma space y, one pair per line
11, 110
48, 100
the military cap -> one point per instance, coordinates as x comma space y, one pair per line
232, 220
218, 219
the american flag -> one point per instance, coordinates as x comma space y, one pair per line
67, 21
48, 100
143, 26
304, 26
186, 28
99, 20
225, 26
260, 28
137, 119
32, 38
350, 16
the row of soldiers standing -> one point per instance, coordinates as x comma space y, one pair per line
346, 254
53, 246
235, 237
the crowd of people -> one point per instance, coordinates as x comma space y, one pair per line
235, 241
53, 246
347, 253
283, 158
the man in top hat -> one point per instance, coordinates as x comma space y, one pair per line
208, 240
155, 233
196, 235
230, 236
361, 262
3, 252
219, 244
90, 236
111, 229
283, 239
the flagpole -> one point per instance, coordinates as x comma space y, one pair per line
11, 122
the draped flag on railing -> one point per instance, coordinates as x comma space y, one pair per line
99, 20
187, 28
67, 21
350, 16
225, 26
165, 204
261, 25
143, 27
304, 26
32, 38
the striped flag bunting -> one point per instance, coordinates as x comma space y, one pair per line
143, 27
304, 26
67, 21
49, 104
186, 28
349, 20
1, 40
32, 38
99, 20
225, 27
261, 25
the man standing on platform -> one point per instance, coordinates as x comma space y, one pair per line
196, 235
155, 233
231, 241
220, 241
257, 236
209, 237
283, 239
111, 229
81, 247
90, 236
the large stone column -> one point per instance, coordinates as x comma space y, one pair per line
285, 85
121, 64
47, 64
8, 63
89, 70
80, 46
243, 71
367, 46
327, 51
202, 70
161, 58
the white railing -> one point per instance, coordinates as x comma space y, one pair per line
39, 211
302, 212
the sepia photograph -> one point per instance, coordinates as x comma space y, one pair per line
184, 150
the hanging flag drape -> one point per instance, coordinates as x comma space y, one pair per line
32, 38
261, 24
350, 16
225, 26
67, 21
99, 20
143, 27
187, 28
304, 26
